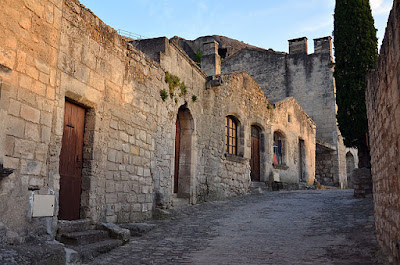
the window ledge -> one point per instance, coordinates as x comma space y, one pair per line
235, 158
282, 166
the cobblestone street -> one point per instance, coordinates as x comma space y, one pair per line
297, 227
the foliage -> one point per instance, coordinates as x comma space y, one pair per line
173, 83
183, 89
163, 94
356, 53
197, 56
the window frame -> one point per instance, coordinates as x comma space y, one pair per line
231, 135
278, 148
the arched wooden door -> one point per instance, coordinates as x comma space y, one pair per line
255, 154
177, 148
183, 153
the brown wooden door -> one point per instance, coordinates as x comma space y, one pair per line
301, 160
255, 154
71, 162
177, 148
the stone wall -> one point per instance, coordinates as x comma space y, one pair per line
119, 87
383, 108
290, 119
29, 40
306, 77
309, 79
174, 60
240, 96
56, 51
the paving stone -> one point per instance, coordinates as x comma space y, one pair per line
287, 227
38, 253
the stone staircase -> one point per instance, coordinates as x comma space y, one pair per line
304, 186
84, 241
257, 187
261, 187
179, 202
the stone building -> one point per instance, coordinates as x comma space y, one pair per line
306, 77
95, 127
383, 109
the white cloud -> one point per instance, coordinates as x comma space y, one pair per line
380, 7
316, 26
202, 6
376, 3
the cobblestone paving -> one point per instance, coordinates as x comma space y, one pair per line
297, 227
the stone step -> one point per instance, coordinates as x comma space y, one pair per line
257, 187
138, 229
85, 237
73, 226
161, 214
180, 202
258, 184
90, 251
305, 186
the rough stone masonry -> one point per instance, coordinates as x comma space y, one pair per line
306, 77
383, 108
154, 126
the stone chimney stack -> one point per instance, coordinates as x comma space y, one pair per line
323, 45
211, 61
297, 46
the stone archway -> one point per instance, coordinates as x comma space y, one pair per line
183, 172
349, 163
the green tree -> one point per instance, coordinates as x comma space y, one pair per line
356, 53
197, 56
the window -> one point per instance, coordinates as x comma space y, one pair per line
231, 135
278, 148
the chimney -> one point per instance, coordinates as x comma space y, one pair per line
211, 61
297, 46
323, 45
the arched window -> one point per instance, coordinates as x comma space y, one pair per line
279, 142
231, 127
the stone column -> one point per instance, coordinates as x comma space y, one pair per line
211, 61
298, 46
323, 45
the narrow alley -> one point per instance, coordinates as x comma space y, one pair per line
295, 227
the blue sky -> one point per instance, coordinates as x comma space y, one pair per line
263, 23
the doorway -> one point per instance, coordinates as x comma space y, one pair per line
183, 153
255, 153
350, 165
71, 161
302, 161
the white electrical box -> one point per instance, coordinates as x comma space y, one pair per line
276, 176
43, 205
